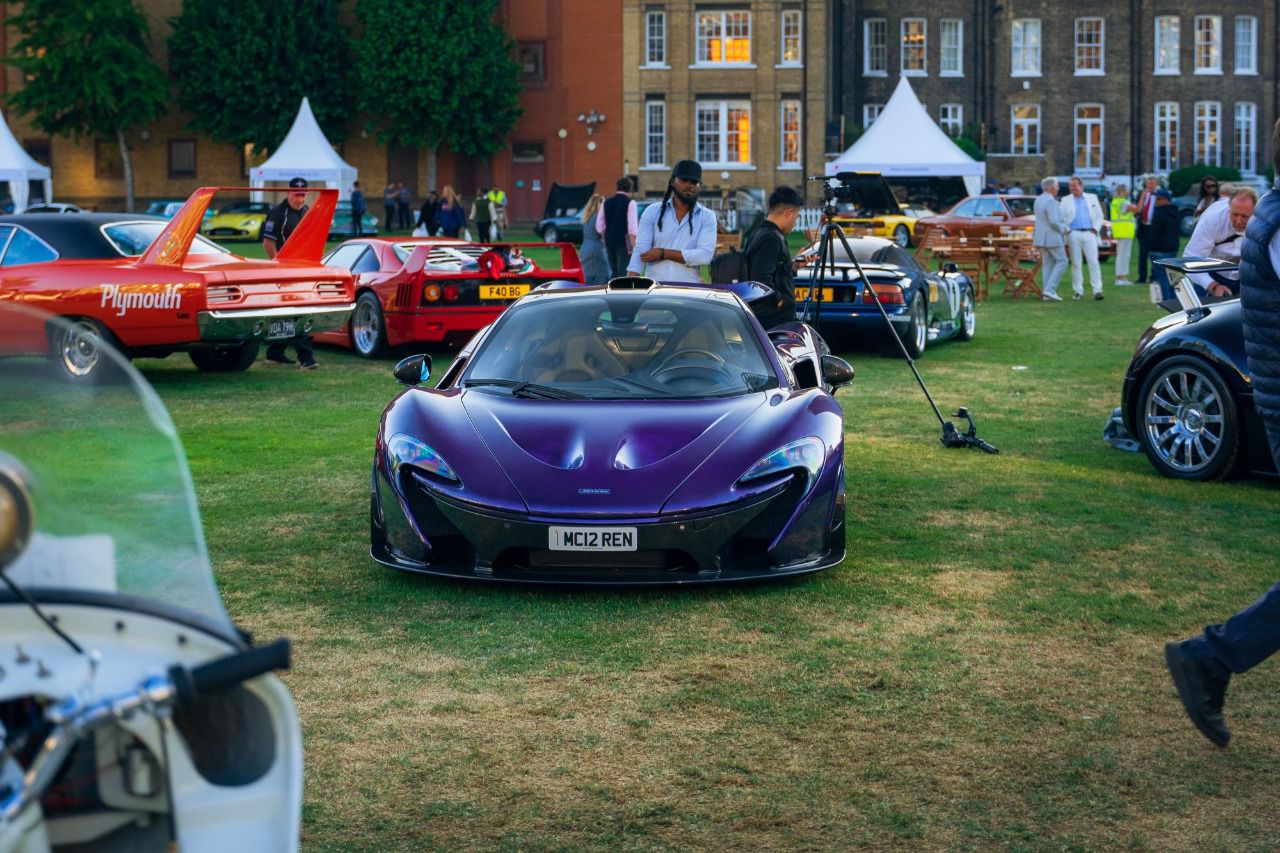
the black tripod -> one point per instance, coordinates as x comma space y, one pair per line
951, 437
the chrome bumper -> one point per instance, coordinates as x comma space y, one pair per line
217, 326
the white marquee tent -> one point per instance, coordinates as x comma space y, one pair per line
18, 168
904, 141
305, 153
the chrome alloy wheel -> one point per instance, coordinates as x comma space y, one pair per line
366, 326
1184, 419
80, 348
919, 328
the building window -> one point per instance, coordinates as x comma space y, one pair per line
655, 38
182, 158
528, 151
915, 42
1167, 38
1246, 45
951, 118
1088, 138
1207, 144
1026, 47
790, 133
1247, 138
1208, 30
870, 112
951, 36
724, 38
875, 47
655, 133
532, 58
106, 160
792, 37
1025, 128
1166, 152
1089, 41
723, 132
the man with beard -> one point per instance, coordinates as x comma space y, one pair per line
677, 237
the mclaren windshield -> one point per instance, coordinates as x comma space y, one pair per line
623, 346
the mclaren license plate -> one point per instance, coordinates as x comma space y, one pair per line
592, 539
278, 329
828, 294
503, 291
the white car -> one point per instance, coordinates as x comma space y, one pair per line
53, 207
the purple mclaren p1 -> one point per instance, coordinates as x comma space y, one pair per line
630, 433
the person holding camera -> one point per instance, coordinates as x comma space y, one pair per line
677, 237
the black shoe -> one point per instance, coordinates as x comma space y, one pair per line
272, 358
1097, 296
308, 365
1202, 691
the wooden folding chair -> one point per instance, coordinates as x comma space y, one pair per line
1023, 275
974, 261
933, 238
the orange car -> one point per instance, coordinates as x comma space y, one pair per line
989, 215
152, 287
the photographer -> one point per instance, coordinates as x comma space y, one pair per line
769, 258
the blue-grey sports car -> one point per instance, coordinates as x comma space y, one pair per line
629, 433
924, 307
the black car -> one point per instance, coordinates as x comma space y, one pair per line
90, 236
1188, 398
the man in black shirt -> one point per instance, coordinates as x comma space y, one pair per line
769, 258
280, 222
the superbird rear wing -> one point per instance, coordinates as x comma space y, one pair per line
421, 257
306, 243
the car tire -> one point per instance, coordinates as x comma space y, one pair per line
1186, 420
1187, 224
79, 349
968, 315
550, 234
902, 236
368, 327
916, 337
232, 359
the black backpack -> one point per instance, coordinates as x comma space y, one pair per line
728, 267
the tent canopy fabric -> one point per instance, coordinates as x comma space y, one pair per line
305, 153
19, 168
904, 140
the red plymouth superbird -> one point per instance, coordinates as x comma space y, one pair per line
152, 287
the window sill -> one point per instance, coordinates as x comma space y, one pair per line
790, 167
1246, 73
1024, 74
950, 73
727, 167
915, 73
1207, 72
1167, 72
655, 168
1090, 73
701, 65
875, 73
655, 67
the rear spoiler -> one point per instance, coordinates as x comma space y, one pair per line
306, 243
570, 264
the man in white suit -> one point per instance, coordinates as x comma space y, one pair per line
1081, 214
1047, 237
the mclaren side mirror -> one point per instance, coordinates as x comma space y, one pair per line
412, 370
836, 371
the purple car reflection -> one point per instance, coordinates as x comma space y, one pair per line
634, 433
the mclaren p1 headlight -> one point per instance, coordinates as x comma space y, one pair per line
406, 450
805, 454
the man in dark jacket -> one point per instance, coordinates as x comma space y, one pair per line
1202, 666
276, 228
769, 258
1163, 236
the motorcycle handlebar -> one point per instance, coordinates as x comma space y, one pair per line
229, 671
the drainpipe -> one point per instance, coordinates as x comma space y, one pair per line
1135, 90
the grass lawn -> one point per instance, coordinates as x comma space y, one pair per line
984, 671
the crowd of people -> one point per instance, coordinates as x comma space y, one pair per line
443, 213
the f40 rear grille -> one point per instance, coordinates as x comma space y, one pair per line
405, 294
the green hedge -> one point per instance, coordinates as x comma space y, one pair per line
1182, 180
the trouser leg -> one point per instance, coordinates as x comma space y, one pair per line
1143, 253
305, 348
1244, 640
1055, 264
391, 216
356, 230
1089, 244
1077, 272
1123, 250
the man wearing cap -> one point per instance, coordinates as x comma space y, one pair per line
677, 237
280, 222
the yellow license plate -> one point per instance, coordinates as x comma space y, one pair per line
503, 291
828, 294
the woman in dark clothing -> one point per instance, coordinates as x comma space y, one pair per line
1208, 194
428, 217
449, 216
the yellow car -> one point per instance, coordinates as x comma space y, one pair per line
868, 204
239, 221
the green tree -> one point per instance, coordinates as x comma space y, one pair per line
242, 68
444, 74
87, 72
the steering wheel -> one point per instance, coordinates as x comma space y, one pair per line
717, 366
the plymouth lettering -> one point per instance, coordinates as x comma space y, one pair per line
120, 298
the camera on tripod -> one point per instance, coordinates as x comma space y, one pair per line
837, 187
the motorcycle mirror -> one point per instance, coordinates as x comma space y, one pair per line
17, 514
836, 371
413, 369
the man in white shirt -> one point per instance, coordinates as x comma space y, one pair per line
1081, 214
677, 237
1218, 234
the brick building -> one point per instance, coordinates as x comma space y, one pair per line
1090, 88
738, 86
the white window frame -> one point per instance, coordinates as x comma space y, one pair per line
951, 118
1077, 124
1245, 137
868, 47
790, 105
870, 112
721, 109
1018, 31
1102, 47
1167, 123
723, 14
658, 38
655, 136
1211, 42
798, 35
1249, 67
923, 70
958, 47
1170, 46
1026, 123
1207, 123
